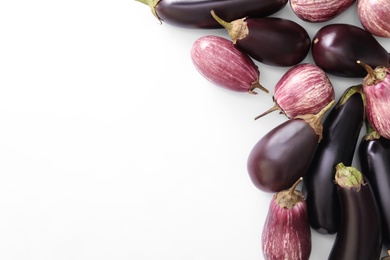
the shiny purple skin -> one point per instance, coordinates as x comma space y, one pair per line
275, 41
303, 89
341, 130
378, 105
360, 233
337, 47
374, 157
196, 13
281, 156
220, 62
286, 233
319, 11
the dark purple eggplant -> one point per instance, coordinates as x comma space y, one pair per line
196, 13
374, 157
337, 47
282, 156
360, 234
341, 131
269, 40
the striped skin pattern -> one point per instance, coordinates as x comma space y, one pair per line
374, 16
303, 89
319, 10
219, 61
286, 233
378, 105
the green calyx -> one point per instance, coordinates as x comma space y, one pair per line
348, 177
152, 4
374, 76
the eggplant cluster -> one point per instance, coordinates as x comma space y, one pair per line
317, 142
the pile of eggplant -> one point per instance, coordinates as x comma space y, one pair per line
316, 144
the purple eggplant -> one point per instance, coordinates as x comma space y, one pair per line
196, 13
220, 62
360, 234
336, 48
341, 131
282, 156
269, 40
374, 157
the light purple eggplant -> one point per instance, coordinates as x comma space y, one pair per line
286, 233
303, 89
220, 62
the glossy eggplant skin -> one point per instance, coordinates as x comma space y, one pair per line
275, 41
360, 234
282, 156
374, 157
341, 131
196, 13
337, 47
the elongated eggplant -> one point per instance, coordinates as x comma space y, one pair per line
360, 235
196, 13
269, 40
337, 47
282, 156
374, 157
341, 131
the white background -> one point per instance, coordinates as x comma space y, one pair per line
112, 145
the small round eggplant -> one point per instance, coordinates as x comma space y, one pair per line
282, 156
196, 13
269, 40
374, 157
286, 232
341, 131
360, 234
220, 62
303, 89
337, 47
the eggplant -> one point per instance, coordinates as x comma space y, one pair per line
374, 158
360, 234
196, 13
336, 48
341, 131
269, 40
282, 156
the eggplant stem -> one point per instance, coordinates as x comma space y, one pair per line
256, 84
274, 108
367, 68
228, 26
292, 189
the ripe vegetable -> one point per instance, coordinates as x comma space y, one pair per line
359, 236
264, 39
374, 157
341, 131
376, 86
303, 89
196, 14
319, 11
220, 62
337, 47
374, 16
286, 232
281, 156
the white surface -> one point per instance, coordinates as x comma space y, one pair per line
112, 146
